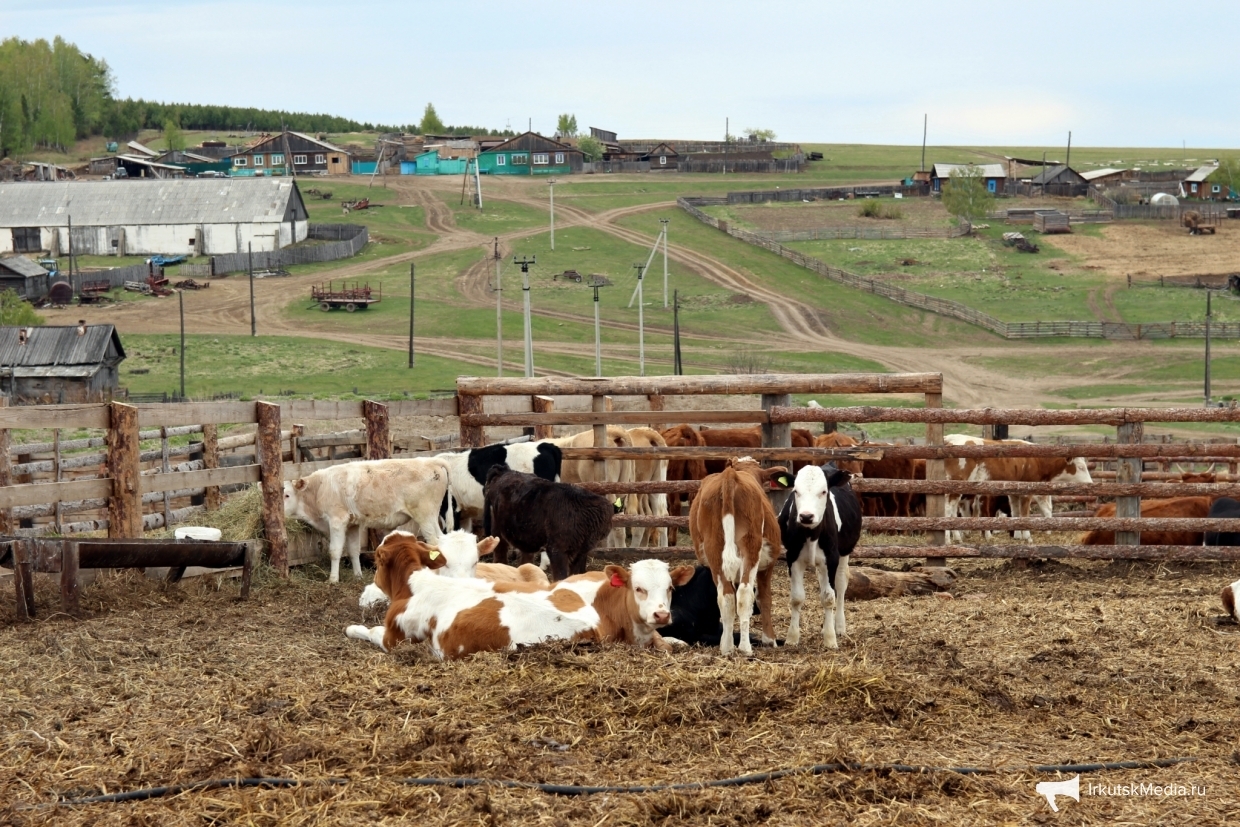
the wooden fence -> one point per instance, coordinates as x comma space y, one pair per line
343, 241
957, 310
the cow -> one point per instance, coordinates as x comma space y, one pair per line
819, 526
695, 612
461, 616
649, 470
989, 506
530, 513
1174, 507
1231, 600
1011, 469
467, 473
342, 500
736, 533
683, 436
616, 470
1223, 507
747, 438
892, 503
837, 440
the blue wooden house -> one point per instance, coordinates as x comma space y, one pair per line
530, 154
429, 163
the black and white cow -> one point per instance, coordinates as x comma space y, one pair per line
819, 526
467, 474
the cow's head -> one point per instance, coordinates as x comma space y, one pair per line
1076, 470
650, 583
399, 555
495, 472
809, 496
292, 496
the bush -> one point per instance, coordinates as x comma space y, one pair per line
873, 208
16, 311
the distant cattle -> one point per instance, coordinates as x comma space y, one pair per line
468, 474
735, 532
342, 500
461, 616
838, 440
747, 438
531, 513
892, 503
682, 436
819, 526
649, 470
1174, 507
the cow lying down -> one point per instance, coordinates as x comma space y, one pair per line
460, 616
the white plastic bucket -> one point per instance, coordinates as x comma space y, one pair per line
197, 532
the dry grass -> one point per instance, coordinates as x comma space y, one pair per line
1066, 663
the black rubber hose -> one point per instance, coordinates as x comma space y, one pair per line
573, 789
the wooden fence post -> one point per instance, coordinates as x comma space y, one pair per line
776, 436
472, 436
124, 465
598, 404
543, 404
1128, 470
6, 472
270, 456
211, 459
656, 401
936, 504
378, 435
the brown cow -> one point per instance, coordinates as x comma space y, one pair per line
748, 438
892, 503
682, 469
837, 440
1174, 507
736, 533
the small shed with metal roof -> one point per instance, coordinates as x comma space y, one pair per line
54, 365
187, 216
993, 174
24, 277
1197, 185
1061, 180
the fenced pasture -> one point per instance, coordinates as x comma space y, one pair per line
1108, 655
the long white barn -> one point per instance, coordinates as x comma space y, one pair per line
192, 216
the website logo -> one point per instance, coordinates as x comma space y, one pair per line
1050, 789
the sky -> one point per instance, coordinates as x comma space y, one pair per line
1114, 72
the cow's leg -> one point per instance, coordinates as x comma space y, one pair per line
374, 634
827, 597
673, 510
745, 593
660, 510
336, 538
841, 586
353, 539
726, 596
796, 595
953, 510
764, 601
1020, 508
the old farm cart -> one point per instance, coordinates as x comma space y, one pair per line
776, 417
350, 298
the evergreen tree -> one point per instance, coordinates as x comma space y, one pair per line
431, 125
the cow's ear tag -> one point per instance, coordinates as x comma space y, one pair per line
617, 581
619, 503
783, 480
434, 554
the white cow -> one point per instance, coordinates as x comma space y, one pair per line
616, 470
650, 470
343, 500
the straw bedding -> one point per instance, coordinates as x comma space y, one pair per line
1063, 663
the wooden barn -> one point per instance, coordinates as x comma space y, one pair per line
1197, 185
1059, 180
55, 365
24, 277
662, 156
994, 175
530, 154
271, 156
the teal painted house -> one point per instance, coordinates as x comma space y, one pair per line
429, 163
530, 154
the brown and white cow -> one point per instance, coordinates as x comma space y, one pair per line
748, 438
342, 500
1174, 507
736, 533
1231, 600
461, 616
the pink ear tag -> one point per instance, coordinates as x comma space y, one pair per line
617, 581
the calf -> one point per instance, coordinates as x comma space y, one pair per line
819, 526
695, 612
682, 469
736, 533
531, 513
1174, 507
1231, 600
1222, 507
467, 473
649, 470
342, 500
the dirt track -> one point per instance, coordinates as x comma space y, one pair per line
224, 308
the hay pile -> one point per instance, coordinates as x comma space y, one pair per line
1075, 662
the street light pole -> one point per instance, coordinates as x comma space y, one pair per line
598, 342
551, 186
641, 323
525, 264
664, 222
1208, 315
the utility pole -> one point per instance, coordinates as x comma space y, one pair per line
525, 264
181, 303
1208, 316
1068, 161
925, 127
641, 323
598, 342
1043, 192
253, 321
499, 315
726, 129
413, 269
664, 222
551, 185
677, 367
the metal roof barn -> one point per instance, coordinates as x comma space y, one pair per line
60, 364
151, 217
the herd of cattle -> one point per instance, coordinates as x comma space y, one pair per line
524, 494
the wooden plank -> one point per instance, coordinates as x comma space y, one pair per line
1050, 524
1013, 416
23, 579
195, 413
69, 596
270, 455
598, 404
936, 504
211, 459
776, 436
543, 405
6, 472
354, 437
1154, 553
378, 435
1186, 452
55, 416
682, 385
297, 470
206, 478
1149, 490
125, 505
423, 407
299, 410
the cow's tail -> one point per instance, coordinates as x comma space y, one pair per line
727, 497
447, 511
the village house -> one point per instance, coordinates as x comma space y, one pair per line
309, 156
57, 365
189, 216
1059, 180
530, 154
993, 174
1197, 185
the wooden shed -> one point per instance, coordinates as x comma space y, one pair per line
1051, 221
1060, 180
993, 174
662, 156
24, 277
55, 365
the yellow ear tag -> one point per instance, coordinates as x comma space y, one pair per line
619, 503
783, 479
434, 554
